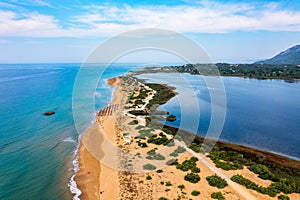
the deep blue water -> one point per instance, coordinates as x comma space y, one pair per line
259, 113
36, 151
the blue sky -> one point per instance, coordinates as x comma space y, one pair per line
63, 31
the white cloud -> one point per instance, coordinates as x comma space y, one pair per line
106, 20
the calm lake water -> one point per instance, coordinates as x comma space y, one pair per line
259, 113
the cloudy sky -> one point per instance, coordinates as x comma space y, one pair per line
64, 31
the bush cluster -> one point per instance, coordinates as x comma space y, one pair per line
272, 190
189, 165
217, 195
149, 167
216, 181
152, 155
263, 172
192, 177
172, 162
195, 193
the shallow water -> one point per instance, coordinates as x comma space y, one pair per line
36, 151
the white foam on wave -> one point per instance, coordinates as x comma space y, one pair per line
72, 183
69, 139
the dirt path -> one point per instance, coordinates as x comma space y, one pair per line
238, 188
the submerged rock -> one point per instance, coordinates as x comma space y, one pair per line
49, 113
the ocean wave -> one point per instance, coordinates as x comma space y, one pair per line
69, 139
74, 189
72, 183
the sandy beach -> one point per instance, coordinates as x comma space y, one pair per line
92, 178
110, 169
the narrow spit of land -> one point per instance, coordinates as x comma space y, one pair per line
127, 154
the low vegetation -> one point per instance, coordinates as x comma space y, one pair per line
259, 71
195, 193
172, 162
149, 167
216, 181
283, 197
272, 190
217, 195
192, 177
189, 165
162, 95
133, 122
156, 156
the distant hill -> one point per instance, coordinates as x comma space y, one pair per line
290, 56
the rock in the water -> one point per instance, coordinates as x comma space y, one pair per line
49, 113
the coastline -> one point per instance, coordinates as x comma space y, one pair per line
93, 179
90, 178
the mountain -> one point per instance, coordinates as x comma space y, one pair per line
289, 56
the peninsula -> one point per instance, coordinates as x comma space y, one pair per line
130, 154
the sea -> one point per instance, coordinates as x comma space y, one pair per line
38, 153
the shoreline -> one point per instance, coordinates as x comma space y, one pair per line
93, 172
88, 176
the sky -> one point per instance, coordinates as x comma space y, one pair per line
43, 31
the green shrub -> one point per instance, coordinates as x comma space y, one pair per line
180, 149
168, 183
148, 177
139, 127
138, 102
216, 181
162, 198
138, 112
159, 157
283, 197
174, 154
228, 160
181, 187
263, 172
217, 195
272, 190
133, 122
149, 167
188, 164
192, 177
172, 162
142, 144
152, 152
195, 169
159, 171
195, 192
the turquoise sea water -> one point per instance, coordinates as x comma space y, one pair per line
37, 151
